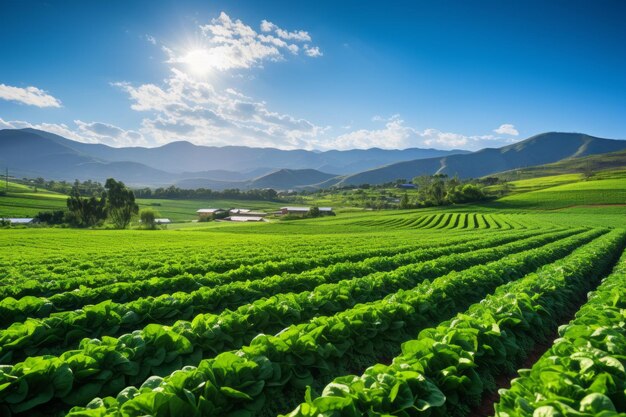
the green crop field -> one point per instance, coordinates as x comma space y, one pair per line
427, 312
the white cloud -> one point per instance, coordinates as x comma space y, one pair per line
109, 134
507, 129
185, 108
94, 132
397, 135
151, 39
226, 44
267, 26
312, 51
31, 96
297, 35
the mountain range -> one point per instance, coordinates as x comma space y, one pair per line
35, 153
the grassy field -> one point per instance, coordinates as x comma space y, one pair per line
24, 201
582, 193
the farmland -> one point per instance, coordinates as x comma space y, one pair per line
422, 312
395, 312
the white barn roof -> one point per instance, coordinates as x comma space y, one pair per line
20, 220
245, 219
209, 210
239, 211
295, 208
162, 221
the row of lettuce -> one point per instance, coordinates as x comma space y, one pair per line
272, 371
60, 331
104, 367
77, 270
447, 370
583, 373
15, 310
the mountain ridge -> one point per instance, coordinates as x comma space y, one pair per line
539, 149
32, 153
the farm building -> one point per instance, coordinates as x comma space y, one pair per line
294, 210
245, 218
162, 221
246, 213
301, 211
19, 220
210, 213
407, 186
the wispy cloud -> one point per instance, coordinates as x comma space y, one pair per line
93, 132
395, 134
185, 108
227, 44
298, 35
507, 129
31, 96
312, 51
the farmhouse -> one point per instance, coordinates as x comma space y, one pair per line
162, 221
19, 220
246, 213
238, 211
245, 218
210, 213
294, 210
301, 211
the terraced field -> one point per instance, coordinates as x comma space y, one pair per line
414, 315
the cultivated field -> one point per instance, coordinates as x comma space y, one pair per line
424, 312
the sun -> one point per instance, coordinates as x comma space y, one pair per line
199, 61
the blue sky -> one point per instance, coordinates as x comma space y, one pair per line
317, 75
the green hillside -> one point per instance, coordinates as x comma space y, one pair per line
19, 200
597, 192
588, 164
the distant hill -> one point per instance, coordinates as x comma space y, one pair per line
32, 153
291, 178
537, 150
589, 164
283, 179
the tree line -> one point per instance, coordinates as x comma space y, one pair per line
115, 203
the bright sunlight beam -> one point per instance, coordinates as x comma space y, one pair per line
199, 61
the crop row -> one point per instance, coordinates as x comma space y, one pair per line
69, 275
12, 310
447, 369
448, 221
256, 378
37, 336
159, 350
583, 373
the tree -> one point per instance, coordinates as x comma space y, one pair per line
314, 211
437, 191
120, 203
51, 217
404, 201
86, 212
148, 218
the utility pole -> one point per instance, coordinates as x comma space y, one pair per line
7, 180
